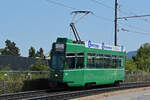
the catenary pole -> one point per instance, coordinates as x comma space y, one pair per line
115, 22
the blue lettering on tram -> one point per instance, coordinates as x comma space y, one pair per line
92, 45
102, 46
105, 47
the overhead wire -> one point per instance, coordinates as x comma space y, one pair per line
73, 8
61, 4
134, 27
110, 7
136, 16
100, 3
133, 31
99, 17
80, 17
104, 18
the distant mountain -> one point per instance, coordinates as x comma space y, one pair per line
131, 54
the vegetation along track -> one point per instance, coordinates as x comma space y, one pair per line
44, 95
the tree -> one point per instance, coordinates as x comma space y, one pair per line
32, 52
130, 65
142, 58
39, 66
1, 51
40, 53
10, 49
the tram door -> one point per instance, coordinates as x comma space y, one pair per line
75, 62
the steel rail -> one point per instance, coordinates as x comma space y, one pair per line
77, 94
15, 96
43, 94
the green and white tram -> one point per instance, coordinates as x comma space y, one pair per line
86, 63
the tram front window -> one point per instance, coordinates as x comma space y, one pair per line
58, 61
70, 61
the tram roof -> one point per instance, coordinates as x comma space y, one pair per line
90, 44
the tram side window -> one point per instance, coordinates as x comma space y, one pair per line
70, 61
117, 62
99, 61
120, 62
91, 60
114, 63
107, 61
80, 60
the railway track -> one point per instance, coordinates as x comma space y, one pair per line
15, 96
68, 94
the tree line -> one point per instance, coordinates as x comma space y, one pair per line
12, 50
141, 61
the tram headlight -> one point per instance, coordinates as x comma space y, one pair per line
56, 75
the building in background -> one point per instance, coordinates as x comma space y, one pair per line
20, 63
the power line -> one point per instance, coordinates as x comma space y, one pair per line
104, 18
131, 31
61, 4
100, 3
134, 27
107, 6
73, 8
115, 20
136, 16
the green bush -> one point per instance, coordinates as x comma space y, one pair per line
23, 81
39, 66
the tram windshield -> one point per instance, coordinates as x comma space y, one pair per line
58, 61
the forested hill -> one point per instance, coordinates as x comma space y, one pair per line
131, 54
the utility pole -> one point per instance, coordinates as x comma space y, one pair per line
115, 22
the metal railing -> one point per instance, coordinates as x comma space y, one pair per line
15, 81
9, 80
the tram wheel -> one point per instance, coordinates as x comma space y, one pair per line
117, 83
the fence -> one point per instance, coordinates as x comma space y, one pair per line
17, 81
136, 76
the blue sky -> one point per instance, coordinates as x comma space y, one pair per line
38, 23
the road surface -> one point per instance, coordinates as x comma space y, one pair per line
139, 95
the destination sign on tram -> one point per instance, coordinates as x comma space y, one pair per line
59, 47
103, 46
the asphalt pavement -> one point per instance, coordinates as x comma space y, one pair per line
139, 95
